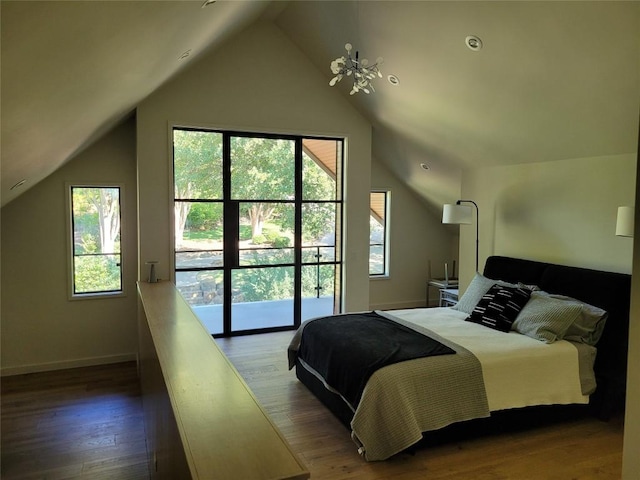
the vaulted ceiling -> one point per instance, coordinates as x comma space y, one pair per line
554, 80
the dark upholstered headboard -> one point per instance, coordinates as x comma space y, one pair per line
607, 290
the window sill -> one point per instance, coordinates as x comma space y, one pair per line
97, 295
379, 277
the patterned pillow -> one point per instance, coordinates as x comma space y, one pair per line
499, 307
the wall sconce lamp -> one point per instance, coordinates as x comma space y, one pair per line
459, 214
625, 221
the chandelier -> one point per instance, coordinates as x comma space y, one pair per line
360, 70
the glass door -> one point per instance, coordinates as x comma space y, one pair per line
262, 233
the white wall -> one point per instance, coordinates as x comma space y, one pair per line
41, 328
259, 81
416, 237
560, 212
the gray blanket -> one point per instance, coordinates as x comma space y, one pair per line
403, 400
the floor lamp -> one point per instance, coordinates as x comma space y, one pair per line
459, 214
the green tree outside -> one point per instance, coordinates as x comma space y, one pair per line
96, 233
261, 169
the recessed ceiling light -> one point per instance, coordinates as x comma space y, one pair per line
424, 166
19, 184
473, 42
393, 80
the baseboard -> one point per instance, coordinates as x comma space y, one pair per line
398, 305
63, 365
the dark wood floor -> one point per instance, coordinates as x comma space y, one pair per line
83, 423
87, 423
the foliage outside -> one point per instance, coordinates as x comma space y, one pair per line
96, 239
97, 274
263, 182
261, 169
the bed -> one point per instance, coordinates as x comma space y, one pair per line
524, 334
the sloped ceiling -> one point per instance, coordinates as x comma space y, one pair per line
71, 70
554, 80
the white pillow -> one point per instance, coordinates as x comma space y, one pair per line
478, 287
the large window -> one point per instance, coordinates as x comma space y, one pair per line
95, 240
257, 228
379, 234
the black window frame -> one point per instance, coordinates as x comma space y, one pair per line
385, 237
74, 293
299, 202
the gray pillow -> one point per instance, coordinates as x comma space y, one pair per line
478, 287
546, 318
588, 326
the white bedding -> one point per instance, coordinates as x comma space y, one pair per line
518, 371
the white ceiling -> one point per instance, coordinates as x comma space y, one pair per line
555, 80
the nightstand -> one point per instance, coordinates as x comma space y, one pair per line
441, 284
448, 297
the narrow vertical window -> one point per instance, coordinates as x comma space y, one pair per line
379, 234
95, 239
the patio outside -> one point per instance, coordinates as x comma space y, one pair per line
267, 314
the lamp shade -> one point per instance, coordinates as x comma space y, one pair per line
457, 214
625, 221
